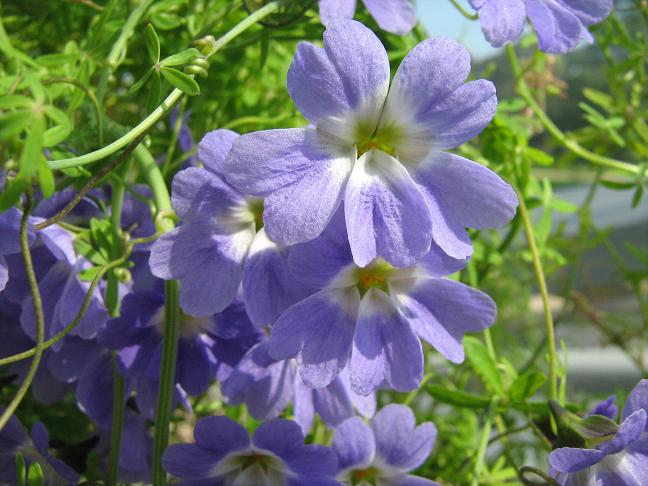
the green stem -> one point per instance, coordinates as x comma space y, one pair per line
171, 320
117, 424
118, 51
38, 311
572, 145
483, 442
544, 294
145, 125
167, 378
112, 304
463, 11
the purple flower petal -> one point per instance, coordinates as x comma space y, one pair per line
637, 399
429, 74
208, 264
303, 406
333, 403
437, 263
354, 444
559, 29
395, 16
195, 368
10, 231
190, 461
399, 442
502, 21
386, 213
285, 439
301, 174
269, 287
319, 331
263, 383
202, 197
336, 9
385, 347
415, 481
221, 435
213, 149
4, 273
570, 459
343, 84
441, 311
607, 408
629, 431
317, 262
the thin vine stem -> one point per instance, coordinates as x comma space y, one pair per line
38, 311
167, 377
463, 11
544, 294
88, 92
569, 143
112, 304
484, 441
70, 327
169, 102
94, 180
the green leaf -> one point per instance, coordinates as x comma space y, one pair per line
563, 206
180, 80
141, 81
102, 235
62, 129
618, 186
154, 93
152, 43
526, 385
483, 364
58, 59
180, 58
603, 100
636, 198
35, 475
46, 178
31, 151
11, 195
15, 101
21, 470
457, 398
265, 47
88, 274
12, 124
85, 249
166, 21
539, 157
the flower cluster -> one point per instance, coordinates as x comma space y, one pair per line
315, 264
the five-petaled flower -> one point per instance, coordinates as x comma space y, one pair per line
276, 455
386, 451
370, 319
380, 149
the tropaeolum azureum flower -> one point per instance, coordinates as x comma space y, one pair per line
377, 148
371, 318
221, 243
560, 24
395, 16
620, 461
384, 452
223, 454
